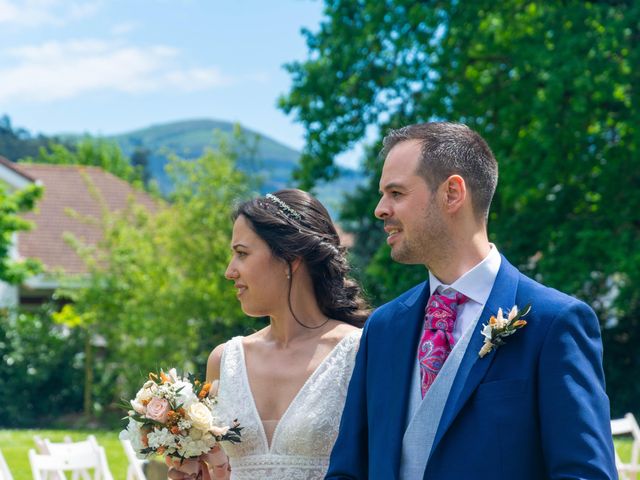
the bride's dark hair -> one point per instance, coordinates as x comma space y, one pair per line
296, 225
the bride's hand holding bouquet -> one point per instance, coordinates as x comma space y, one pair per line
172, 416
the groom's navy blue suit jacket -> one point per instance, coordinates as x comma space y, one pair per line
533, 409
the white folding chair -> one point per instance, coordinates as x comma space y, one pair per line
135, 470
42, 448
42, 465
89, 447
106, 473
629, 427
5, 474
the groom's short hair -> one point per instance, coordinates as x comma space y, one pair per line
452, 149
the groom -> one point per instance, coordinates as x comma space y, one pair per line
422, 402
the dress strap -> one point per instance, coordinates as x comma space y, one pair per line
231, 367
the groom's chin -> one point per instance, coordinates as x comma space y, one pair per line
401, 256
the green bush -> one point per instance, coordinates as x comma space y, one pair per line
40, 369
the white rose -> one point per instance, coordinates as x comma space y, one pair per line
200, 416
144, 395
138, 407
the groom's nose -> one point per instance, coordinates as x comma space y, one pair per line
382, 210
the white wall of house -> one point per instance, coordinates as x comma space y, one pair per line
8, 295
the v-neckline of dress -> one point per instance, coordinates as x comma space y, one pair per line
268, 448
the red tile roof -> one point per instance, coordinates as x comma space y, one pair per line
69, 188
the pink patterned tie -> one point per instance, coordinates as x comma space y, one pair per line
437, 339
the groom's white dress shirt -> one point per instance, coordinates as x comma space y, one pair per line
423, 415
476, 285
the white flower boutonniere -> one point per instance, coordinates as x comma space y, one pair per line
499, 328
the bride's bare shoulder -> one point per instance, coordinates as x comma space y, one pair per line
213, 363
340, 330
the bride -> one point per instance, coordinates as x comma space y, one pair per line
286, 384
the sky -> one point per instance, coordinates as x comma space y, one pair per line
111, 66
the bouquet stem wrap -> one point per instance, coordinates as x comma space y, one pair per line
194, 468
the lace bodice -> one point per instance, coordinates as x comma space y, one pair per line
305, 434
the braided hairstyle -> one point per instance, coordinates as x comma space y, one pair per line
294, 225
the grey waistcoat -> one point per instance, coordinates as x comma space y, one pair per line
423, 415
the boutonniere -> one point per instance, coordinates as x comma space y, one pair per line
499, 328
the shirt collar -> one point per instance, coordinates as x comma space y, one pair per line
476, 284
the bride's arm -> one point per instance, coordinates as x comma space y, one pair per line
221, 467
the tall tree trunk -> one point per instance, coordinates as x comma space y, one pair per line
88, 375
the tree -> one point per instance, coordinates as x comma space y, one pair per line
140, 161
13, 270
157, 293
553, 88
17, 143
93, 152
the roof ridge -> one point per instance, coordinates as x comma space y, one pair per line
13, 166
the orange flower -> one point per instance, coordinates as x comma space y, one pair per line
161, 450
519, 323
175, 430
493, 320
164, 377
205, 390
145, 440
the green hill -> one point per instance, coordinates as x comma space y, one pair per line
272, 161
188, 139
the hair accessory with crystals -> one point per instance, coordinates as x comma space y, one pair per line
283, 207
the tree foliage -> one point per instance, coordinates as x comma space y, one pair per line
15, 270
41, 369
98, 153
552, 86
17, 143
157, 293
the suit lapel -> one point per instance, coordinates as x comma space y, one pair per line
402, 355
473, 368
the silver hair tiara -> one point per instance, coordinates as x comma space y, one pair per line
283, 207
289, 212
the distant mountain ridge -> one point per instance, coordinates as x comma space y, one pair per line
189, 139
259, 156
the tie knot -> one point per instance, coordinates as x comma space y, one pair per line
442, 310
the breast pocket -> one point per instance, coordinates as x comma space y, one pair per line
501, 389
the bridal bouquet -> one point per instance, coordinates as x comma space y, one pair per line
172, 416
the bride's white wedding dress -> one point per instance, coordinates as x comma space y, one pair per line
303, 437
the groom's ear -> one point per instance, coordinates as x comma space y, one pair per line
455, 193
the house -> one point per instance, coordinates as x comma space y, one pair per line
67, 189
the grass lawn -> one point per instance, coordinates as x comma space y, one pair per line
15, 445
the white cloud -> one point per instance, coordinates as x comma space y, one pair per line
35, 13
197, 78
60, 70
124, 28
